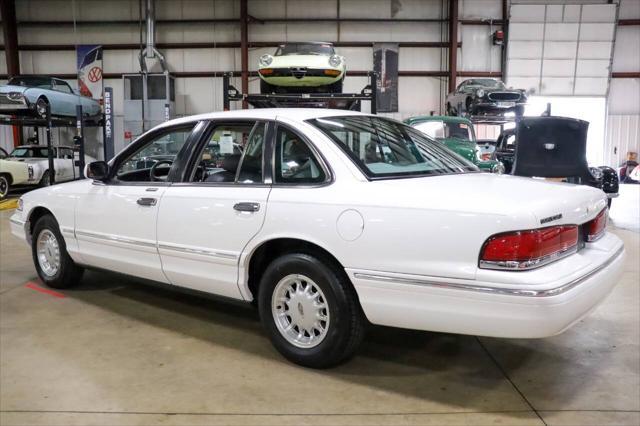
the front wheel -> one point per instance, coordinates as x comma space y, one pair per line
41, 107
4, 186
310, 311
336, 87
50, 257
45, 181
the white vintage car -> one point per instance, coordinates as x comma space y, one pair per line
326, 219
11, 174
36, 159
302, 66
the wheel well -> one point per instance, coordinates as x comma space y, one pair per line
273, 249
36, 214
8, 176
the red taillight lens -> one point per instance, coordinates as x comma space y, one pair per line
595, 228
486, 157
528, 249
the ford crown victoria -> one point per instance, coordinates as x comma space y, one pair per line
328, 219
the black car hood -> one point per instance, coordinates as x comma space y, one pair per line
551, 147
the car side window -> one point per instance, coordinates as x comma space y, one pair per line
66, 154
62, 86
154, 160
295, 162
252, 161
220, 157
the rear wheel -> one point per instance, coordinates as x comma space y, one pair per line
53, 264
310, 311
4, 186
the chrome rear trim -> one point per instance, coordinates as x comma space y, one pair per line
522, 292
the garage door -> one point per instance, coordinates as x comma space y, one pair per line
561, 50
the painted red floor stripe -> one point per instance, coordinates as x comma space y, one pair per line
36, 287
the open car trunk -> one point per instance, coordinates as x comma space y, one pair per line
553, 147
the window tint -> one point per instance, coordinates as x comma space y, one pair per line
295, 161
251, 165
62, 86
161, 148
385, 148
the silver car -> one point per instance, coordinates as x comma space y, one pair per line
30, 95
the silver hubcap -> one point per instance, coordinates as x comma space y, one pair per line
300, 311
48, 251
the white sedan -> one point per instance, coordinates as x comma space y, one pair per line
328, 219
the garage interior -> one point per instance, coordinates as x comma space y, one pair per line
116, 351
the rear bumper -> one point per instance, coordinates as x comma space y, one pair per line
498, 310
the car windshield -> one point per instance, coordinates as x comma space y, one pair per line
485, 82
305, 49
29, 153
384, 148
40, 82
440, 130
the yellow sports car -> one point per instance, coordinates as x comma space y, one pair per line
302, 67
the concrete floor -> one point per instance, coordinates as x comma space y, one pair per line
116, 352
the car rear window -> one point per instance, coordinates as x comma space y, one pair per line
384, 148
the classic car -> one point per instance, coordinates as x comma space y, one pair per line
555, 148
487, 147
485, 96
302, 67
30, 95
330, 218
36, 158
11, 174
458, 135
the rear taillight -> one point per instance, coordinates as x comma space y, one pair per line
520, 250
596, 227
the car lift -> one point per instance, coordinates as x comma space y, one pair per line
348, 101
48, 122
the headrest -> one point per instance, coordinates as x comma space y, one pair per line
230, 162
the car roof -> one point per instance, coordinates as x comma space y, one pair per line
41, 146
306, 42
294, 114
445, 118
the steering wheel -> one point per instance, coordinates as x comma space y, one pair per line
152, 170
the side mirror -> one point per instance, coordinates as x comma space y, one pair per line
97, 170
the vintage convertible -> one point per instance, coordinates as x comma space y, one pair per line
36, 159
457, 134
31, 94
485, 96
556, 148
327, 219
11, 174
302, 67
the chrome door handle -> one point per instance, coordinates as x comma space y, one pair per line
247, 207
147, 202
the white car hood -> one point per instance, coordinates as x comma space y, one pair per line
496, 195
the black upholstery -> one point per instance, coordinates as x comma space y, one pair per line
230, 166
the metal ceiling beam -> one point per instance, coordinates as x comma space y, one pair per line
10, 32
453, 43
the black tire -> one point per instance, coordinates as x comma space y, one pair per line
337, 86
44, 181
5, 186
346, 321
519, 110
266, 88
41, 107
450, 110
609, 200
68, 274
469, 107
